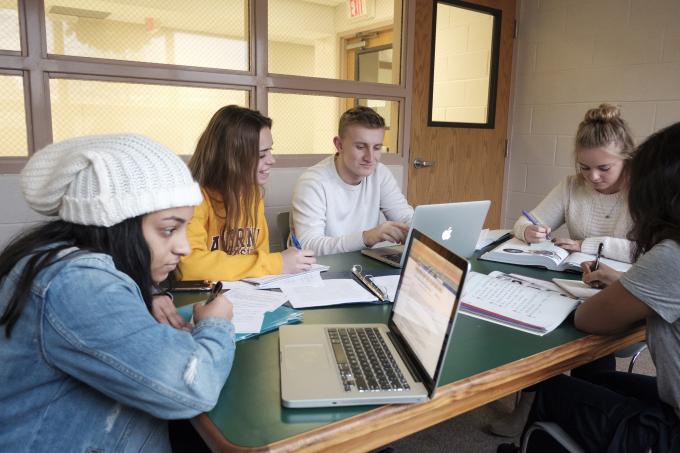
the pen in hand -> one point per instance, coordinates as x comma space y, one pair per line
596, 266
214, 292
295, 242
533, 220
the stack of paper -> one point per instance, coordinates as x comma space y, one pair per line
250, 306
276, 281
255, 311
273, 320
331, 292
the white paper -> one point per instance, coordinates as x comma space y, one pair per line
577, 288
306, 279
487, 236
332, 292
576, 258
535, 282
235, 284
256, 300
388, 283
247, 321
274, 281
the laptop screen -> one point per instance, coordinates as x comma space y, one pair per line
423, 309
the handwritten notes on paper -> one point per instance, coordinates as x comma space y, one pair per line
332, 292
513, 303
250, 305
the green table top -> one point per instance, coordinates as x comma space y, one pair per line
249, 411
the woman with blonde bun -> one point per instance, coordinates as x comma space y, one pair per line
592, 203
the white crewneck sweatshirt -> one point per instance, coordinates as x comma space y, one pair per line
591, 217
329, 215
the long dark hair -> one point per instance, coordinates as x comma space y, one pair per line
124, 242
654, 191
225, 162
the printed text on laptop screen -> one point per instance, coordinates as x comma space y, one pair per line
426, 298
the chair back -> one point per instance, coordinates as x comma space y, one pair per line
283, 225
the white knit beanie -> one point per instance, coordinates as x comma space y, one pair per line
105, 179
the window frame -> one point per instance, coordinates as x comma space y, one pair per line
37, 67
497, 16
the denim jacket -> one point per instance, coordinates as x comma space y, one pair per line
88, 369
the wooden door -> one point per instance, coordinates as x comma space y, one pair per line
469, 162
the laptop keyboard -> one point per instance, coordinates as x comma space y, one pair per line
364, 362
395, 257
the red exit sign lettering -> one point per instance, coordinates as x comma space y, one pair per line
356, 8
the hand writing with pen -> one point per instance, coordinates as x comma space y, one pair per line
600, 278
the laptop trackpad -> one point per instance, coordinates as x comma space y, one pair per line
299, 357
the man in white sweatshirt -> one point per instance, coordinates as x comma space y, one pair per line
337, 202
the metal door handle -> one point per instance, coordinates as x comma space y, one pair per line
419, 163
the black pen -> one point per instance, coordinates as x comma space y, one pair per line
214, 292
596, 266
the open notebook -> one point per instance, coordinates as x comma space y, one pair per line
545, 254
516, 302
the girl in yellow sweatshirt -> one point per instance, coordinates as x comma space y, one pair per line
228, 233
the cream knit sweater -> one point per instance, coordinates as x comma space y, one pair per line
590, 216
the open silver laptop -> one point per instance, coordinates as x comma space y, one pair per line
456, 226
326, 365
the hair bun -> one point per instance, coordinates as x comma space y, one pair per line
602, 114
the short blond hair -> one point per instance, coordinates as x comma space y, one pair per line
363, 116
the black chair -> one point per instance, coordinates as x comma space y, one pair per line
283, 225
557, 433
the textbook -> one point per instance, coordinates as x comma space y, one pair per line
511, 301
545, 254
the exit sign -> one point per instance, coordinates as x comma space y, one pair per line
356, 8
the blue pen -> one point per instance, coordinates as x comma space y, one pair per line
296, 243
533, 220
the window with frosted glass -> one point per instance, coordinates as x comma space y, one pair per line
12, 117
173, 115
325, 38
306, 124
9, 25
178, 32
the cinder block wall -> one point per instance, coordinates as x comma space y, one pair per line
573, 55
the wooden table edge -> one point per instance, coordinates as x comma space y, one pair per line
384, 424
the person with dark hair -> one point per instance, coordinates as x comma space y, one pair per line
625, 412
85, 366
337, 203
228, 234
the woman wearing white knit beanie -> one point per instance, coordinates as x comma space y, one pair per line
86, 367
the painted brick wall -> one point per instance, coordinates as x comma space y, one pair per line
573, 55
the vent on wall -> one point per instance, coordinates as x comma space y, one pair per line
79, 12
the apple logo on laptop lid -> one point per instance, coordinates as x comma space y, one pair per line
446, 234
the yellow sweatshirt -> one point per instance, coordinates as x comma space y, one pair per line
227, 255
